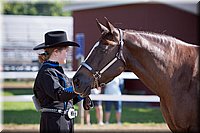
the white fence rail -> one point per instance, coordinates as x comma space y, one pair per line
70, 74
102, 97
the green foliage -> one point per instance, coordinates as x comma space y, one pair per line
42, 8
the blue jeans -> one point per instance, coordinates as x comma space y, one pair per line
97, 103
117, 105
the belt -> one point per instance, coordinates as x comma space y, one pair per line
71, 113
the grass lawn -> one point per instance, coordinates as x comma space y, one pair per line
12, 92
24, 113
19, 113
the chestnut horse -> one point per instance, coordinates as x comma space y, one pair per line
166, 65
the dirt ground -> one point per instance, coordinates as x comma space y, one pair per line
113, 128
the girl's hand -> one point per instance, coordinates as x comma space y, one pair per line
87, 103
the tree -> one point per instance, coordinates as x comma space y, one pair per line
39, 8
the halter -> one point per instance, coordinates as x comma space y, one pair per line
118, 56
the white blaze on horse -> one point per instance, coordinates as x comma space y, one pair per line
167, 66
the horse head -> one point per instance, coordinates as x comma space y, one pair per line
104, 62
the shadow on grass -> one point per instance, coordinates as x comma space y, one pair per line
21, 117
18, 91
129, 115
133, 115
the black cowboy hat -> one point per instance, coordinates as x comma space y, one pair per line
55, 39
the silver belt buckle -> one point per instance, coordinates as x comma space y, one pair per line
59, 111
72, 113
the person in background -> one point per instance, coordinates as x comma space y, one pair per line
98, 109
53, 91
113, 88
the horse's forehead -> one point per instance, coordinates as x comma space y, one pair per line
108, 42
109, 36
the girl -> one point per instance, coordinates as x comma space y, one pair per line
53, 89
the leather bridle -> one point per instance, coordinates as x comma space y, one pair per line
118, 56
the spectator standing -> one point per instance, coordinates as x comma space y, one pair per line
113, 88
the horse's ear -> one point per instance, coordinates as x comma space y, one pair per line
111, 28
102, 28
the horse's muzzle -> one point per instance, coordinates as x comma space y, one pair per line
76, 85
81, 87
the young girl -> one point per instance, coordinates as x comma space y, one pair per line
53, 89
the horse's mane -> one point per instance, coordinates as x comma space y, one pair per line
148, 33
159, 38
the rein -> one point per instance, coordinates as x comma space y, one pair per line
118, 56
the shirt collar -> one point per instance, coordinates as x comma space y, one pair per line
51, 63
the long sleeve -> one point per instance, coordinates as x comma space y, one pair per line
52, 85
53, 88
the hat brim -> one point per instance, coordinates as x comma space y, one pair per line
60, 44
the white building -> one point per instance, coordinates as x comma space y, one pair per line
21, 33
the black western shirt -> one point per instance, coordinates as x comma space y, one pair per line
53, 88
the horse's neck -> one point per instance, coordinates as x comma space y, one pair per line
152, 59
